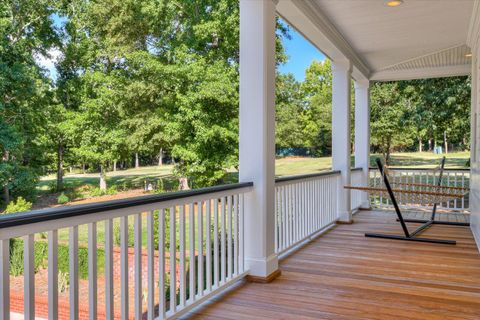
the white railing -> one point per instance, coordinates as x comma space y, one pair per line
169, 277
304, 205
356, 195
451, 178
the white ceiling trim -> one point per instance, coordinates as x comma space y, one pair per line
452, 56
299, 13
422, 73
474, 27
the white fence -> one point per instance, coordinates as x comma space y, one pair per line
304, 205
211, 259
451, 178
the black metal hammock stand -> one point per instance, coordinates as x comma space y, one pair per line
425, 194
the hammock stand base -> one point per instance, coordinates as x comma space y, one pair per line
448, 223
412, 236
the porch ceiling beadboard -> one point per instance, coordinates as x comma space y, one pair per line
418, 39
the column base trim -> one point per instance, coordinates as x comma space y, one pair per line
345, 222
257, 279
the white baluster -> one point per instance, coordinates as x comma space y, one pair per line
73, 283
5, 279
92, 270
53, 274
124, 267
29, 277
109, 304
151, 266
137, 242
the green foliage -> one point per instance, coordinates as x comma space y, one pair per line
21, 205
26, 32
63, 198
16, 256
41, 258
112, 190
97, 192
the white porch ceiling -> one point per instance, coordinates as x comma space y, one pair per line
420, 38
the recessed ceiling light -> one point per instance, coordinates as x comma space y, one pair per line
468, 55
394, 3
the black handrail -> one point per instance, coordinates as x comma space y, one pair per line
307, 176
42, 215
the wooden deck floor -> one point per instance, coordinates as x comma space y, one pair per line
343, 275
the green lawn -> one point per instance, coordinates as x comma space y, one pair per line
283, 167
294, 166
134, 177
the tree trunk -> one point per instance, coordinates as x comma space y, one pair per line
160, 158
137, 161
114, 165
83, 168
420, 146
6, 191
183, 183
60, 167
103, 179
445, 141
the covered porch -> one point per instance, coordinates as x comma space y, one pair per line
291, 247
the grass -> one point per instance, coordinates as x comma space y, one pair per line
133, 177
283, 167
426, 159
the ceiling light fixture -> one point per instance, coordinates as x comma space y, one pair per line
394, 3
468, 55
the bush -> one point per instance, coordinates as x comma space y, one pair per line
112, 190
41, 257
62, 199
116, 234
97, 192
40, 249
24, 183
20, 205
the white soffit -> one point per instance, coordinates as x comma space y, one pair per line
418, 39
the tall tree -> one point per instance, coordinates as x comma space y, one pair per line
26, 34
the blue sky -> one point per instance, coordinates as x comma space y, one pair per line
301, 53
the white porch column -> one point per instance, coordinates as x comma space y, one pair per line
257, 133
362, 134
341, 146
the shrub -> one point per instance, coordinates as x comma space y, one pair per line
62, 198
96, 192
24, 183
112, 190
40, 249
52, 186
41, 257
20, 205
116, 234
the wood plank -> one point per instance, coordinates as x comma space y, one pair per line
344, 275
